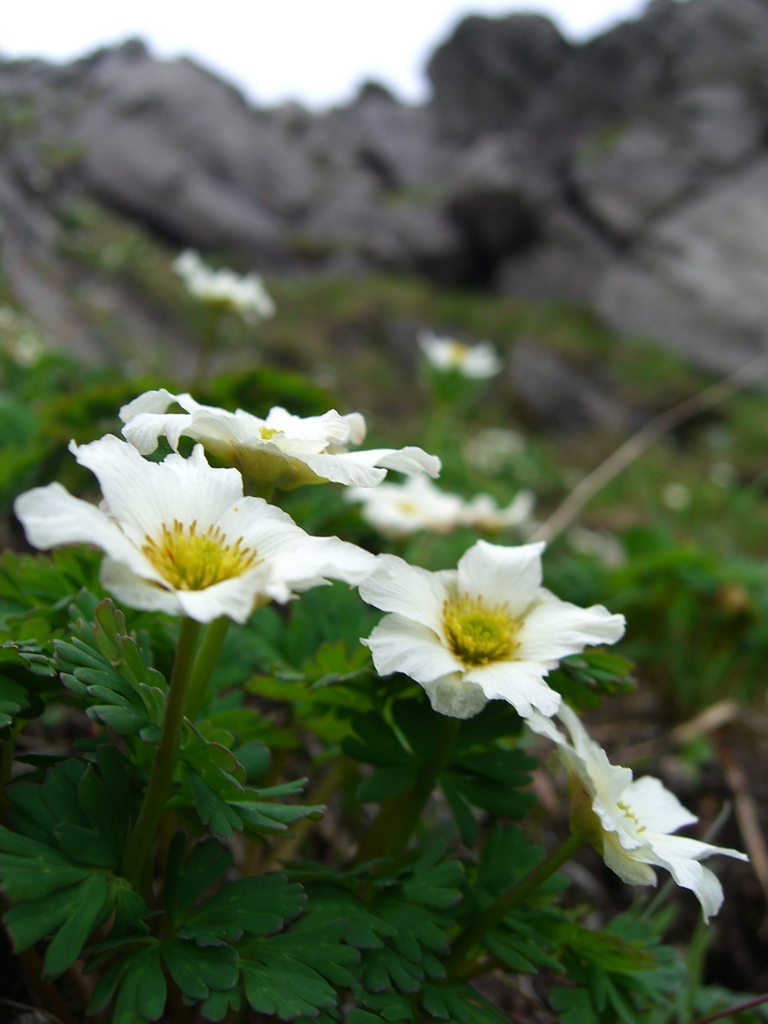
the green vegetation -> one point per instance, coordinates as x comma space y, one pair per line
678, 543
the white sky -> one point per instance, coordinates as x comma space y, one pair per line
315, 51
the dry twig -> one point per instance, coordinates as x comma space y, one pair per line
746, 814
639, 443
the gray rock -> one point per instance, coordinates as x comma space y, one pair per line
557, 396
566, 262
632, 177
487, 72
629, 173
700, 281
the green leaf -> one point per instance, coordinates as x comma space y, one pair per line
289, 974
137, 978
71, 913
104, 665
255, 906
574, 1005
198, 971
187, 880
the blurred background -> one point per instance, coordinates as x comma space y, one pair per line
583, 185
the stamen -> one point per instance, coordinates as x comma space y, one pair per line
189, 560
478, 634
632, 816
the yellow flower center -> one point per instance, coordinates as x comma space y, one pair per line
458, 351
189, 560
267, 433
478, 634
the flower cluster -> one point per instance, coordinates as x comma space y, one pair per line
478, 362
181, 537
399, 510
224, 288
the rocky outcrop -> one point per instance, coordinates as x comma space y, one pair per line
629, 173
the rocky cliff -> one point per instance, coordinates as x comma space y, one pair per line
629, 174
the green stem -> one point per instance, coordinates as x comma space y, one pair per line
496, 913
205, 662
389, 834
143, 834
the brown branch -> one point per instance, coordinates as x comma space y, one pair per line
757, 1001
746, 814
639, 443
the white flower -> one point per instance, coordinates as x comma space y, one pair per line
245, 295
179, 536
483, 513
399, 510
282, 450
629, 822
677, 497
493, 448
599, 544
478, 361
486, 630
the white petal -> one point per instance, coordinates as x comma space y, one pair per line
396, 586
519, 683
313, 559
454, 696
688, 874
235, 597
144, 495
555, 628
262, 527
296, 559
320, 428
51, 517
693, 849
400, 645
346, 468
357, 427
136, 592
144, 430
150, 401
502, 575
655, 807
409, 460
542, 725
626, 865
